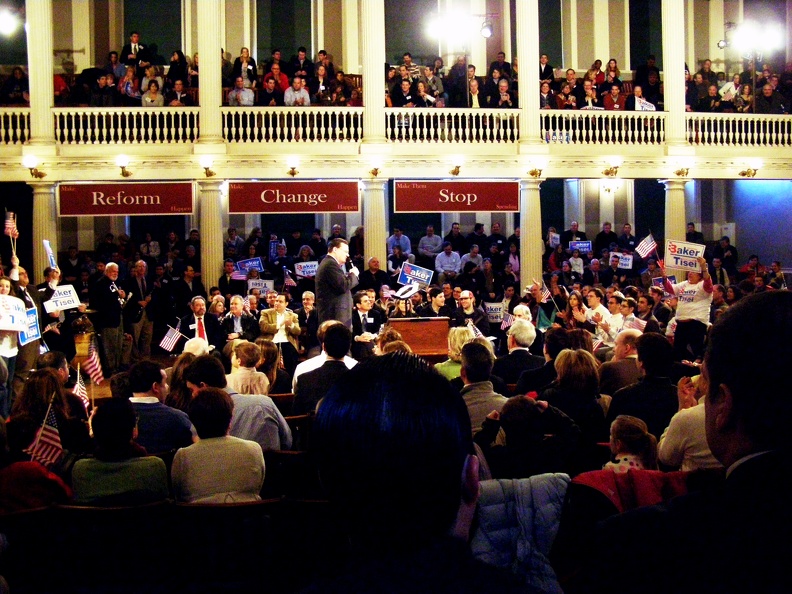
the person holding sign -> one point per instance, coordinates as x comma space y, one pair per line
29, 351
8, 348
108, 299
693, 309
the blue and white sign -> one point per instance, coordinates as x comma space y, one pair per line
250, 264
410, 273
64, 297
625, 260
33, 332
305, 269
583, 246
12, 313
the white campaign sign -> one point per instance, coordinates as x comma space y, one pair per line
305, 269
681, 254
13, 315
625, 260
65, 297
262, 284
494, 312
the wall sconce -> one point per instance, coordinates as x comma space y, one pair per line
535, 173
486, 29
611, 171
292, 163
455, 170
374, 171
31, 163
749, 172
376, 167
206, 163
682, 172
123, 162
537, 165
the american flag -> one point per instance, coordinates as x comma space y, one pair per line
288, 281
596, 343
10, 225
246, 302
646, 247
47, 448
80, 391
239, 275
508, 320
546, 296
472, 326
93, 366
636, 323
170, 339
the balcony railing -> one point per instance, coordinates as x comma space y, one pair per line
14, 125
603, 127
292, 124
159, 125
736, 129
487, 126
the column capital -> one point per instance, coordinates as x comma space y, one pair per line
210, 185
39, 187
530, 183
374, 184
673, 184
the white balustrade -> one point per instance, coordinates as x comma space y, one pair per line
602, 127
434, 125
292, 124
14, 125
115, 125
737, 129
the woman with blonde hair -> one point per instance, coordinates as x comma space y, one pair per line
457, 338
632, 446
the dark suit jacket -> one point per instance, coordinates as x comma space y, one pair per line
362, 350
214, 333
567, 236
182, 294
132, 310
652, 399
534, 380
312, 386
333, 299
309, 324
250, 326
142, 55
185, 99
231, 287
511, 366
104, 299
615, 375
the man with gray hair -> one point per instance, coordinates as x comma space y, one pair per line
136, 316
519, 339
479, 395
108, 299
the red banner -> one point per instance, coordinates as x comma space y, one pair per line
118, 199
292, 197
456, 196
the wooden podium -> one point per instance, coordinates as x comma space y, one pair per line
427, 337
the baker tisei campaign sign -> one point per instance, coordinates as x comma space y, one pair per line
64, 297
681, 254
410, 273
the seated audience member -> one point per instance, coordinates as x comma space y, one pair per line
653, 399
396, 345
534, 380
160, 427
44, 386
539, 439
381, 447
179, 394
683, 444
632, 446
622, 370
255, 418
457, 338
739, 527
238, 323
318, 361
312, 386
575, 392
120, 473
25, 484
387, 336
244, 378
218, 468
478, 393
520, 337
280, 382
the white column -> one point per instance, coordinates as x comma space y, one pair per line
574, 203
39, 48
478, 45
626, 51
602, 30
507, 32
717, 20
186, 32
675, 223
673, 67
374, 219
86, 234
210, 92
372, 31
82, 26
607, 205
45, 217
211, 229
530, 232
573, 35
528, 56
119, 225
350, 41
690, 36
317, 12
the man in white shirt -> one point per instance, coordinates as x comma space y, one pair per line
429, 246
239, 96
318, 361
296, 95
597, 313
447, 263
399, 239
282, 327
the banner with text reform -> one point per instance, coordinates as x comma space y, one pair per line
120, 199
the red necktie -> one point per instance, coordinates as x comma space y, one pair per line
201, 331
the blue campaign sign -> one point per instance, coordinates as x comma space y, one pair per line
32, 333
583, 246
410, 273
250, 264
273, 249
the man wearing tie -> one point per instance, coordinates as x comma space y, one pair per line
136, 54
28, 353
200, 325
366, 322
177, 97
136, 315
108, 299
281, 326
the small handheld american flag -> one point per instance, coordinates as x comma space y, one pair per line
80, 391
170, 339
646, 247
546, 296
10, 225
288, 281
47, 448
508, 320
93, 366
636, 323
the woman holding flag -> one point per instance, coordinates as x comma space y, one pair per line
8, 352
